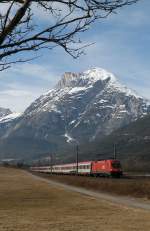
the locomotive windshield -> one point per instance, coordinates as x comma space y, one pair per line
116, 165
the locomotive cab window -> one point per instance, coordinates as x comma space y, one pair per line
116, 165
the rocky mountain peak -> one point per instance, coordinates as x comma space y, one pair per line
92, 76
68, 79
89, 77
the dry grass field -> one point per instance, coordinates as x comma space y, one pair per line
28, 204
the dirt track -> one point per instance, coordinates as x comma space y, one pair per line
122, 200
28, 203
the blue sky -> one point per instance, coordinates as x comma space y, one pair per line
121, 45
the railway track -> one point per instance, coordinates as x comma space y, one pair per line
136, 176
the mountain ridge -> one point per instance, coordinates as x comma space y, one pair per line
81, 108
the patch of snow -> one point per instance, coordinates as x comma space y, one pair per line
77, 89
10, 117
72, 122
98, 115
103, 101
123, 111
107, 106
54, 108
122, 106
96, 74
118, 117
69, 138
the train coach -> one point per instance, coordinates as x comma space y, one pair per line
109, 167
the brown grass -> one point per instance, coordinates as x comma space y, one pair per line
136, 187
27, 204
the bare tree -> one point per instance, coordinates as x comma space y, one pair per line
22, 28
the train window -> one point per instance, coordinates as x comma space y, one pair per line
116, 165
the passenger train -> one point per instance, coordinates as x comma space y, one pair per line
108, 167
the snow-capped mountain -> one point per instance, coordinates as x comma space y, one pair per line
10, 117
4, 112
84, 105
81, 107
7, 122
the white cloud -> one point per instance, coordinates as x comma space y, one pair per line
16, 93
24, 83
35, 70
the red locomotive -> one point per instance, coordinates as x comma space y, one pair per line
109, 167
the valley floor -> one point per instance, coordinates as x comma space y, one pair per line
28, 204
